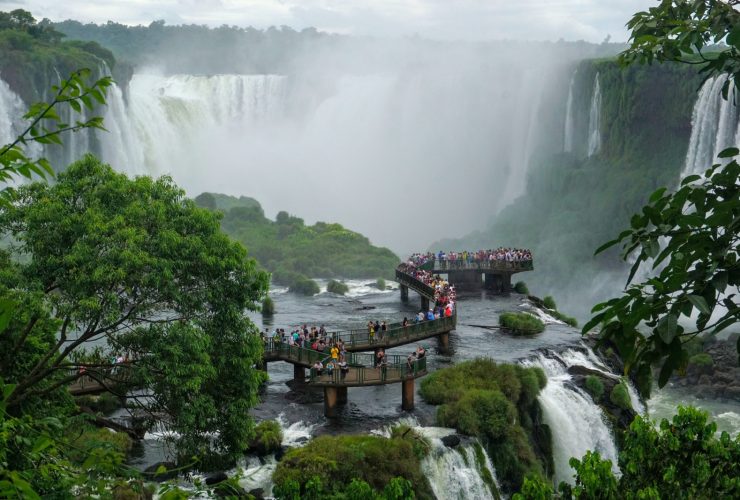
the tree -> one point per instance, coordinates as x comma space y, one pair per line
690, 237
682, 458
112, 267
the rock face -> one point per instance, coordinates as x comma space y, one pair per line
719, 379
451, 441
621, 417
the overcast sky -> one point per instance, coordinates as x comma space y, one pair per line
590, 20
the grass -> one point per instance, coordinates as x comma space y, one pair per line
268, 307
595, 387
337, 287
521, 287
620, 396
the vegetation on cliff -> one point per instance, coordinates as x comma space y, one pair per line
33, 54
521, 323
293, 251
497, 403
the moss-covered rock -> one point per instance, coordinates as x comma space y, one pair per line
337, 287
595, 387
268, 437
620, 396
521, 323
268, 307
521, 287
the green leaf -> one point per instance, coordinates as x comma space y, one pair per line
700, 303
734, 37
728, 153
719, 281
667, 328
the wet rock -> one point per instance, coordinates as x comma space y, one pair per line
216, 477
151, 471
257, 493
281, 452
365, 308
451, 441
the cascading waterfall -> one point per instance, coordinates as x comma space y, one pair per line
577, 423
453, 473
457, 473
594, 119
569, 123
714, 126
11, 108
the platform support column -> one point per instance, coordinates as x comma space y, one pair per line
424, 304
330, 401
506, 283
299, 373
407, 394
342, 395
404, 293
444, 341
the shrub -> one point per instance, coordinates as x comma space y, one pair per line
339, 460
419, 443
620, 396
595, 387
702, 359
337, 287
498, 404
380, 284
568, 320
521, 287
521, 323
268, 307
304, 286
550, 302
268, 437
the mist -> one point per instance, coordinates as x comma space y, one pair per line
405, 141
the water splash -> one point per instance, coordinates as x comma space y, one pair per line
569, 121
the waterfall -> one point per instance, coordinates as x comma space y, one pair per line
714, 126
11, 108
569, 124
594, 119
457, 473
577, 423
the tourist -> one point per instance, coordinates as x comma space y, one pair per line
430, 315
343, 368
379, 357
383, 329
334, 352
405, 322
410, 361
318, 367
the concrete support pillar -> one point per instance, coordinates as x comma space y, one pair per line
342, 395
299, 373
444, 341
506, 283
330, 401
424, 304
404, 293
407, 394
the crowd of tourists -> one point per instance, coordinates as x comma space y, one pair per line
475, 257
444, 293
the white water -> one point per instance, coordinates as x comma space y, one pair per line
569, 123
11, 108
577, 423
714, 126
594, 119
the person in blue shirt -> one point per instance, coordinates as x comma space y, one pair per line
430, 315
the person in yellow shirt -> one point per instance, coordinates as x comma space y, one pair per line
335, 352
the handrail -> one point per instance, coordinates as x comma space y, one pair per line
396, 371
486, 265
418, 285
360, 339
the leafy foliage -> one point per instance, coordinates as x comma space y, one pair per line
329, 466
521, 287
268, 437
693, 235
268, 306
690, 236
521, 323
293, 251
683, 458
701, 359
131, 266
496, 403
46, 127
620, 396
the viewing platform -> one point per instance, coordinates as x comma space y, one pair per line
361, 372
492, 275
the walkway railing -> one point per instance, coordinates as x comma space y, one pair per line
415, 284
395, 334
397, 369
484, 265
